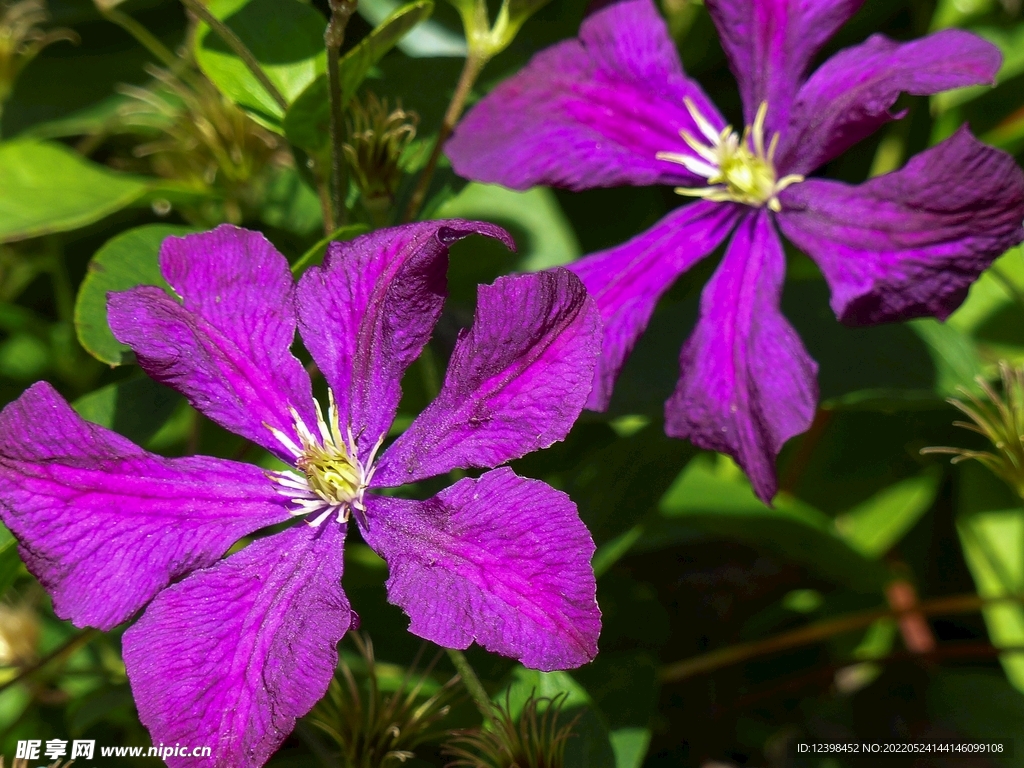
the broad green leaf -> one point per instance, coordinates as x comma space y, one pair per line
549, 237
954, 355
285, 36
307, 122
630, 746
129, 259
428, 40
623, 685
991, 530
49, 188
714, 497
993, 313
875, 525
135, 408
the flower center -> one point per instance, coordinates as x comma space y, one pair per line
738, 168
333, 477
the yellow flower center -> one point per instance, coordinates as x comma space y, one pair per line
738, 168
333, 478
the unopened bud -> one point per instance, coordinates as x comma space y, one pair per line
376, 138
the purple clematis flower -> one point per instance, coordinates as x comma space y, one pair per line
229, 652
614, 107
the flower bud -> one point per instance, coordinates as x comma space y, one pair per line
376, 138
1001, 421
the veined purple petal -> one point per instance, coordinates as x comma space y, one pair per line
747, 384
627, 281
589, 112
770, 45
516, 383
501, 560
227, 348
850, 96
232, 655
366, 314
911, 242
103, 524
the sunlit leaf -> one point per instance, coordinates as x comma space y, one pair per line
991, 529
427, 40
714, 497
129, 259
874, 526
285, 36
49, 188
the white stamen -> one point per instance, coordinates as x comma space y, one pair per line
738, 168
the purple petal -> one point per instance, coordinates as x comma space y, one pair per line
227, 347
770, 45
516, 383
910, 243
501, 560
103, 524
627, 281
232, 655
850, 96
366, 314
589, 112
747, 383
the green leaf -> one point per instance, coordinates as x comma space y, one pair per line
285, 36
129, 259
430, 39
543, 234
49, 188
307, 122
630, 746
874, 526
714, 497
135, 408
991, 530
953, 353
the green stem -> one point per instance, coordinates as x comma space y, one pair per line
473, 685
68, 648
334, 36
474, 65
343, 233
238, 47
821, 630
148, 40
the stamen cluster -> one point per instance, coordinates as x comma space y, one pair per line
739, 169
333, 478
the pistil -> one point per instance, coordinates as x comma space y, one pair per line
738, 168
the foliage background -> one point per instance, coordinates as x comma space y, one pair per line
690, 563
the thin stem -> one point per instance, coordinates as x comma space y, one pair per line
474, 64
148, 40
471, 681
822, 630
69, 647
238, 47
334, 36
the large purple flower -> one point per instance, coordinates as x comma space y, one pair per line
229, 652
615, 107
